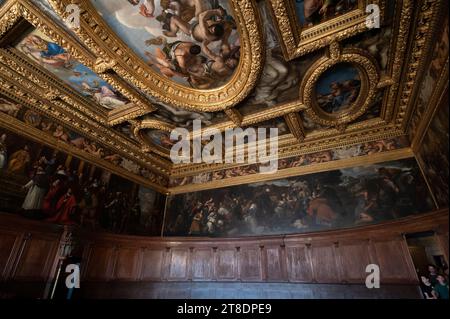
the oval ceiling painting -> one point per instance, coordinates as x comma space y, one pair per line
192, 42
338, 88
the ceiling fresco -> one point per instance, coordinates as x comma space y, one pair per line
193, 42
313, 12
323, 201
134, 70
82, 79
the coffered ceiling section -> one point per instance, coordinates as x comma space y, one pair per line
327, 74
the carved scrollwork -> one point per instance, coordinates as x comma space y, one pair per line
101, 66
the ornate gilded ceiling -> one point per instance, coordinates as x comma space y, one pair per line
338, 90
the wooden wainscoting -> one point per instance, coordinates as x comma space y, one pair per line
28, 255
126, 266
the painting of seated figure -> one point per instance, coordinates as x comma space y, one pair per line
193, 42
338, 88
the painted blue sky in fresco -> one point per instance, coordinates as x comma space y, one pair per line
82, 79
339, 73
135, 29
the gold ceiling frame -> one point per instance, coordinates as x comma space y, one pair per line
393, 122
103, 42
149, 146
153, 123
369, 75
298, 41
20, 84
414, 125
287, 110
291, 148
295, 124
53, 89
16, 12
398, 97
137, 129
390, 82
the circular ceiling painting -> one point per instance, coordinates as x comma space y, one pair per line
193, 42
160, 139
338, 88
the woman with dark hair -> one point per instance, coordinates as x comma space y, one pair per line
427, 288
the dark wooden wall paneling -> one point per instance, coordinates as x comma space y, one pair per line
29, 253
335, 257
27, 249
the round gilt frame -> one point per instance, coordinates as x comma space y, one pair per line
369, 73
148, 146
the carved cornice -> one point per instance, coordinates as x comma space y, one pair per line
296, 171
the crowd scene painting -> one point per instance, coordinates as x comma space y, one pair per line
330, 200
55, 187
338, 88
312, 12
368, 148
55, 59
194, 42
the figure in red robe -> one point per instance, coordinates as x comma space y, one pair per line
65, 208
51, 199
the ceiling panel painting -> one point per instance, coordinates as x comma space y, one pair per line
338, 88
48, 54
193, 42
277, 123
377, 42
313, 12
